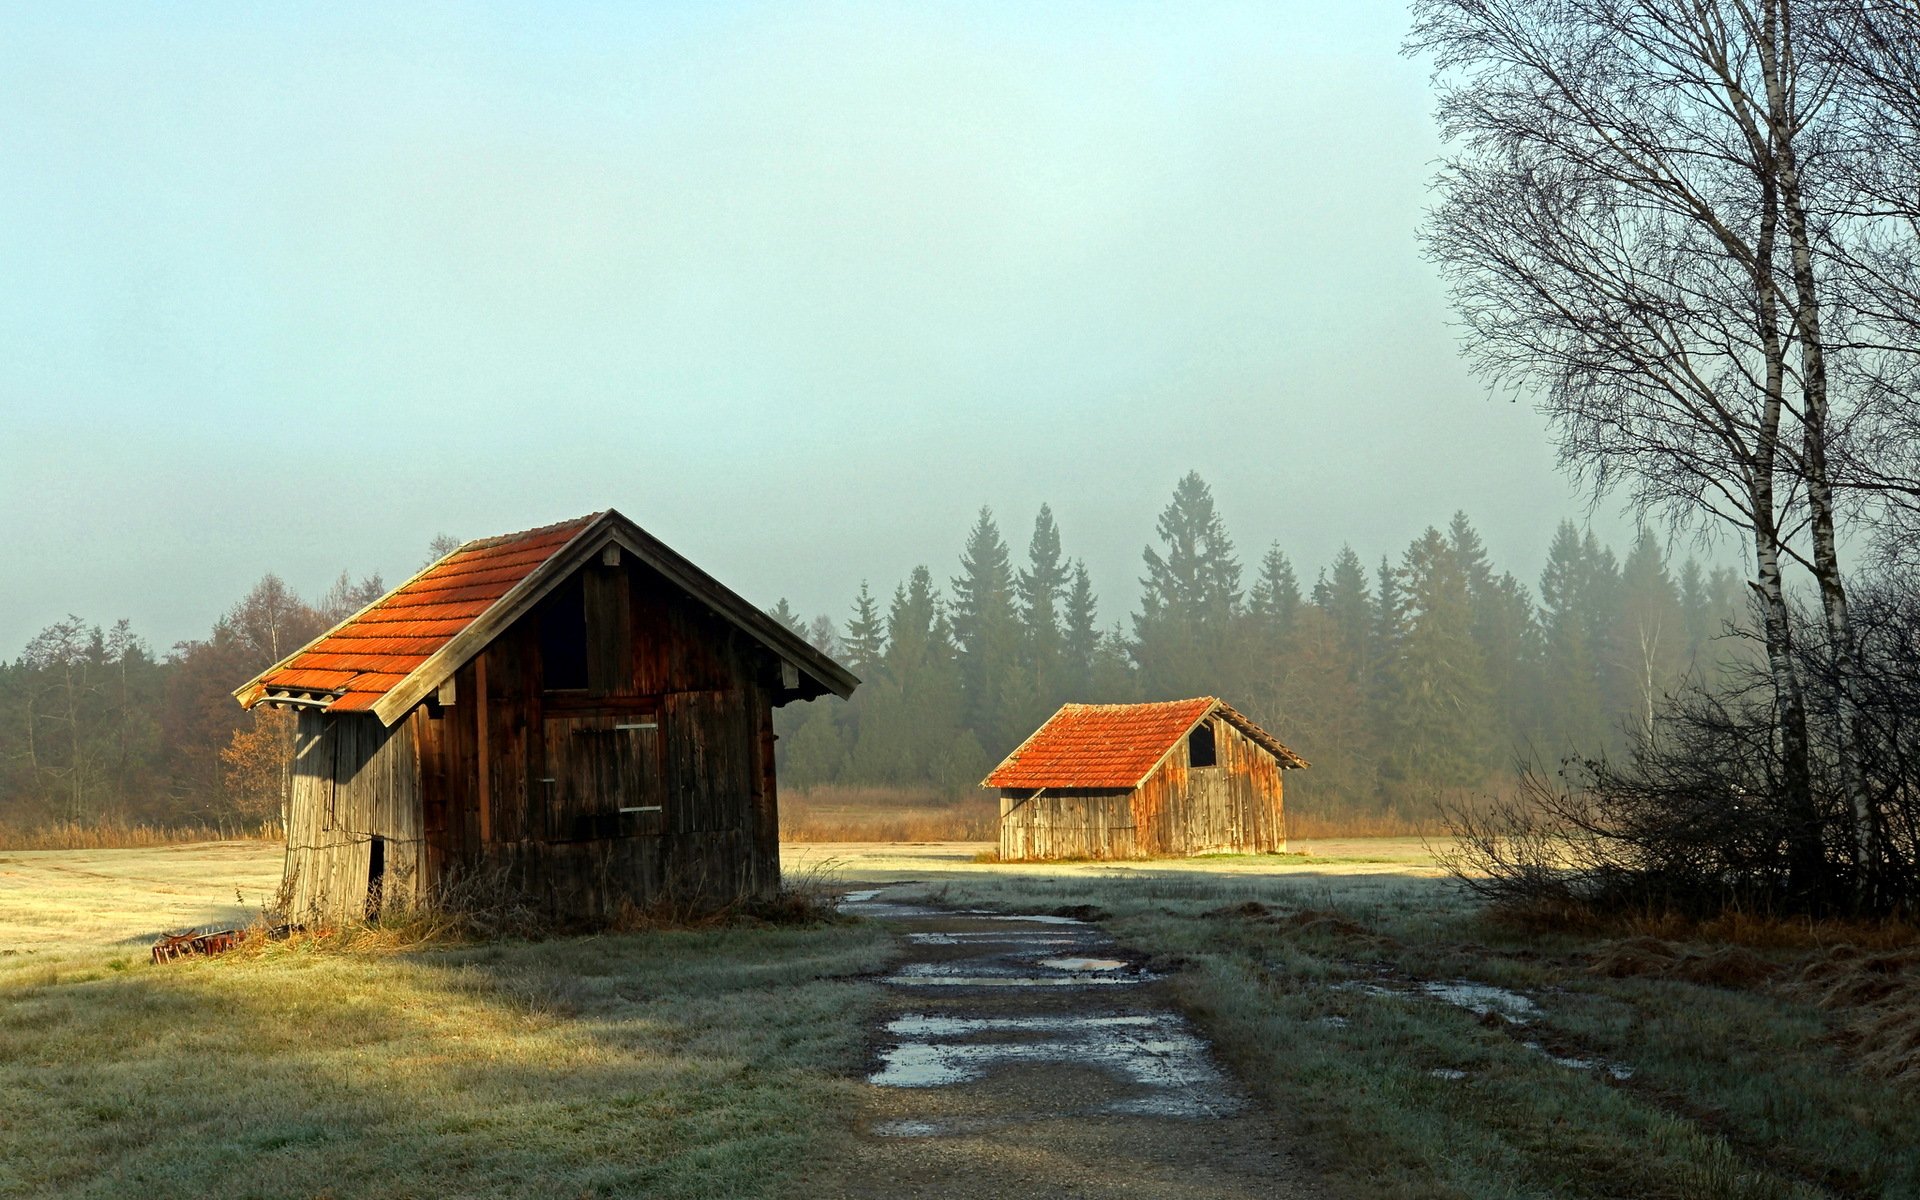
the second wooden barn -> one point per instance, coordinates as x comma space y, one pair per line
1142, 780
576, 710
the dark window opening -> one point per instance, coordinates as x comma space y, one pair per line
376, 876
1200, 747
563, 638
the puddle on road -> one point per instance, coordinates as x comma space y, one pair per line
911, 978
987, 971
996, 938
1162, 1066
1153, 1051
919, 1025
1084, 964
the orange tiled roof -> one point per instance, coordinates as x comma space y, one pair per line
1099, 745
1115, 745
363, 658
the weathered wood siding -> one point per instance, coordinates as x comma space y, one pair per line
1235, 805
352, 781
1067, 824
655, 780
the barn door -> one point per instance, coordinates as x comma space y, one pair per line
1212, 825
604, 778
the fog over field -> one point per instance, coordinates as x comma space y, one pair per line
797, 287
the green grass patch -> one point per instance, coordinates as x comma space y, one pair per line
704, 1063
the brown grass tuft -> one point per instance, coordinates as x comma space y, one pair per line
1733, 967
114, 836
1875, 998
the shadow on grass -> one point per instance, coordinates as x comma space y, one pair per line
666, 1064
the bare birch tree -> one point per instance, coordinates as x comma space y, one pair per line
1631, 225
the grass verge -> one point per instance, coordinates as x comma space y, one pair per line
1312, 987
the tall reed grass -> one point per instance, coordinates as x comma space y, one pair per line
871, 814
115, 836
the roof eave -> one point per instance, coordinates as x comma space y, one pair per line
256, 685
610, 526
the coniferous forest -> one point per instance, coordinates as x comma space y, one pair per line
1426, 673
1429, 673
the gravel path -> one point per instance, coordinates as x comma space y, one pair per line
1029, 1055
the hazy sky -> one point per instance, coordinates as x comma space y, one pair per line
797, 287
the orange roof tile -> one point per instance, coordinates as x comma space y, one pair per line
389, 656
1114, 745
372, 652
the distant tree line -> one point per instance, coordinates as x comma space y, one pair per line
1428, 674
96, 728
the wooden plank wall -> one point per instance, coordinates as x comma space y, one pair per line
558, 769
353, 780
1072, 824
1236, 805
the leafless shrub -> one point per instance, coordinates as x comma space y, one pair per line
1693, 821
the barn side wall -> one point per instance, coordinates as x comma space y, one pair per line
1234, 806
353, 783
1068, 824
674, 726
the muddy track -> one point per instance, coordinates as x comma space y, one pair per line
1029, 1055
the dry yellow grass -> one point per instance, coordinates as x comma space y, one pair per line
844, 814
74, 836
79, 901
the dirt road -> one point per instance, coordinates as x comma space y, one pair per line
1028, 1055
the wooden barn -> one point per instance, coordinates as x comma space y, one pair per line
1142, 780
576, 708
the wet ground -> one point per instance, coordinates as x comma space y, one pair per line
1030, 1055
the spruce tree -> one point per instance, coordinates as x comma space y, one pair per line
987, 629
1081, 639
1275, 600
1440, 716
1342, 594
1504, 630
1601, 609
783, 613
1189, 598
822, 637
1571, 695
1040, 590
1388, 613
920, 660
865, 639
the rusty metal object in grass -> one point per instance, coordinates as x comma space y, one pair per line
208, 942
182, 945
